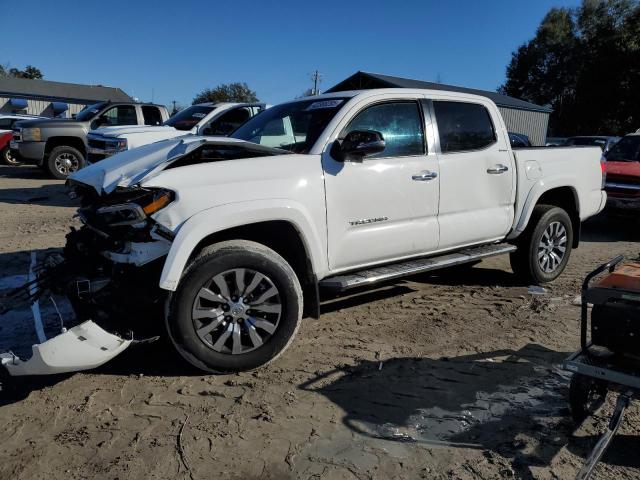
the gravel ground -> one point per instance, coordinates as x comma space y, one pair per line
455, 376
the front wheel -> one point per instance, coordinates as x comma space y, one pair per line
9, 158
63, 161
545, 247
237, 307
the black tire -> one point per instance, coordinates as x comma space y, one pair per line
9, 158
213, 261
63, 161
586, 397
525, 261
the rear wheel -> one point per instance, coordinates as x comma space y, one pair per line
63, 161
545, 247
238, 306
9, 158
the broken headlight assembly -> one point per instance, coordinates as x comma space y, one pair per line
135, 212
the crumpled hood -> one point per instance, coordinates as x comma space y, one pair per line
132, 129
133, 166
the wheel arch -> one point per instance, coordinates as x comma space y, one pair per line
65, 141
562, 196
288, 233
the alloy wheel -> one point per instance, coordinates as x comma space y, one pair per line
552, 247
66, 163
237, 311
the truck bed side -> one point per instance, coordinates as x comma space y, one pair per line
557, 170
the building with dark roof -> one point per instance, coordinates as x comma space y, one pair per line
53, 99
520, 116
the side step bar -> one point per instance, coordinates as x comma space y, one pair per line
411, 267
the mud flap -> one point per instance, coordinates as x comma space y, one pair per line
82, 347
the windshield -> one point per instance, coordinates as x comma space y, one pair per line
291, 126
189, 117
626, 150
90, 111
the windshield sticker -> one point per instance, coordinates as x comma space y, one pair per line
324, 104
198, 115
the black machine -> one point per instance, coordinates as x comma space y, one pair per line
610, 361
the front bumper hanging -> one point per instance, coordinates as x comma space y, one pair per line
84, 346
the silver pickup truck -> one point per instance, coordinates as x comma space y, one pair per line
59, 145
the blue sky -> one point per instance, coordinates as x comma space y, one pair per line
171, 50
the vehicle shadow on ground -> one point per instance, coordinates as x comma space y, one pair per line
154, 359
612, 225
47, 195
495, 402
334, 302
25, 172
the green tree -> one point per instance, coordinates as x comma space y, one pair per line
29, 72
585, 63
32, 72
227, 92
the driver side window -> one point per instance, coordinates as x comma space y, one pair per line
120, 115
399, 123
229, 121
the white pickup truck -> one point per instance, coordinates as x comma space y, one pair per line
219, 118
231, 239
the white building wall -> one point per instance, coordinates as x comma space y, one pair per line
39, 107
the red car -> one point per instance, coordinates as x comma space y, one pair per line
623, 171
6, 156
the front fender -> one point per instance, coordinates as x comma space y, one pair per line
227, 216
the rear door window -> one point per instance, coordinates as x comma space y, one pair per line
463, 126
151, 115
399, 123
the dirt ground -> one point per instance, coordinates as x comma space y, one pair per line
455, 376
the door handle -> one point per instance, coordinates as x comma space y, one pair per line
424, 176
498, 169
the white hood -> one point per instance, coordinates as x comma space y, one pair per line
132, 166
132, 129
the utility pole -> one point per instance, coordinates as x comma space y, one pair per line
316, 77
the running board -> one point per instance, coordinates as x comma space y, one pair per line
412, 267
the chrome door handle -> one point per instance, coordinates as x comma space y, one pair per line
424, 176
498, 169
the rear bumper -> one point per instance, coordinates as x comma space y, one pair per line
32, 152
623, 189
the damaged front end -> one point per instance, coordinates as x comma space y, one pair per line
109, 272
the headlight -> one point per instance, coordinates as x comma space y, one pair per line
120, 215
136, 212
31, 135
119, 145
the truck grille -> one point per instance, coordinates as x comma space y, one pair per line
101, 144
